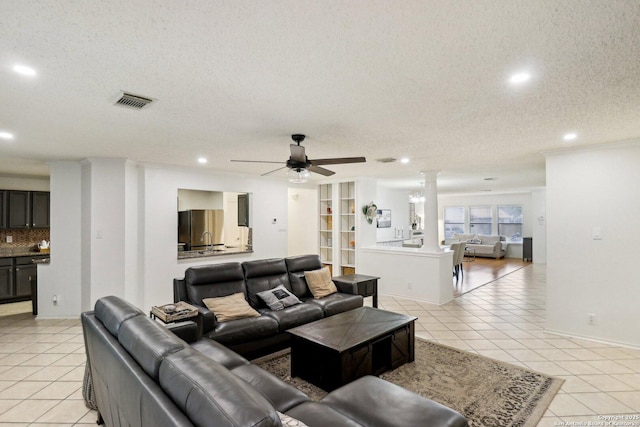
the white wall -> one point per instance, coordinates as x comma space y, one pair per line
589, 189
398, 202
62, 276
192, 199
303, 221
24, 183
409, 273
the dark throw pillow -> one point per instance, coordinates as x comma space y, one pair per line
278, 298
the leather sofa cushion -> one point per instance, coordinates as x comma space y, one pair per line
296, 266
281, 395
295, 315
337, 303
148, 343
211, 281
262, 275
112, 311
317, 414
401, 407
211, 395
221, 354
242, 330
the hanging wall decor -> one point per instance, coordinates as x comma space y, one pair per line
369, 212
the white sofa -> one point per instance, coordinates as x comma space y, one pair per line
484, 245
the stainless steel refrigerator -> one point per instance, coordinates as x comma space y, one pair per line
199, 228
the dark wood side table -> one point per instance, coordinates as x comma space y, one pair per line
527, 249
183, 311
358, 284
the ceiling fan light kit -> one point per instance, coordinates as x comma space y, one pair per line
298, 176
300, 166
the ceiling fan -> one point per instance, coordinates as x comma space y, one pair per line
300, 165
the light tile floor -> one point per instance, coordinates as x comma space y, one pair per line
41, 370
505, 319
42, 361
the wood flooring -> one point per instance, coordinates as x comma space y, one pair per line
480, 271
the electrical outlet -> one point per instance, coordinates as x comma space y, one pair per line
9, 239
409, 285
591, 319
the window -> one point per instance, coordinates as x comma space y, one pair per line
480, 219
510, 222
453, 221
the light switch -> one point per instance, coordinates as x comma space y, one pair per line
596, 233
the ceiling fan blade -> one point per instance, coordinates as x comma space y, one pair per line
338, 160
275, 170
297, 153
321, 171
255, 161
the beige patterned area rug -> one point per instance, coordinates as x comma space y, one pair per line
486, 391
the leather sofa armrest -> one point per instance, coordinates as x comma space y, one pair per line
187, 331
206, 320
179, 290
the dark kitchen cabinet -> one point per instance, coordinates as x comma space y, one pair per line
26, 271
17, 274
40, 209
6, 278
24, 209
18, 209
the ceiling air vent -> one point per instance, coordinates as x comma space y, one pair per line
387, 160
133, 101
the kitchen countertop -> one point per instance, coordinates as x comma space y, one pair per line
213, 252
14, 252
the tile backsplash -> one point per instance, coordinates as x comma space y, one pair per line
23, 238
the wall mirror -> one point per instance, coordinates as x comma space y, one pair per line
213, 221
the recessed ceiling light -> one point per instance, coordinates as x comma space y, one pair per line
24, 70
519, 78
6, 135
570, 136
202, 160
404, 160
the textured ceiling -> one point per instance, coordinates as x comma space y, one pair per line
234, 79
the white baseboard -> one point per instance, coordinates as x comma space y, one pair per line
593, 339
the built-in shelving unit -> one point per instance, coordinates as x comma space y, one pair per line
347, 197
325, 192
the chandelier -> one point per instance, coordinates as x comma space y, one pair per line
416, 198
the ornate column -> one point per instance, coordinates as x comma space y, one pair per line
431, 243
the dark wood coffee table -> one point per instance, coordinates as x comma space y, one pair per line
336, 350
